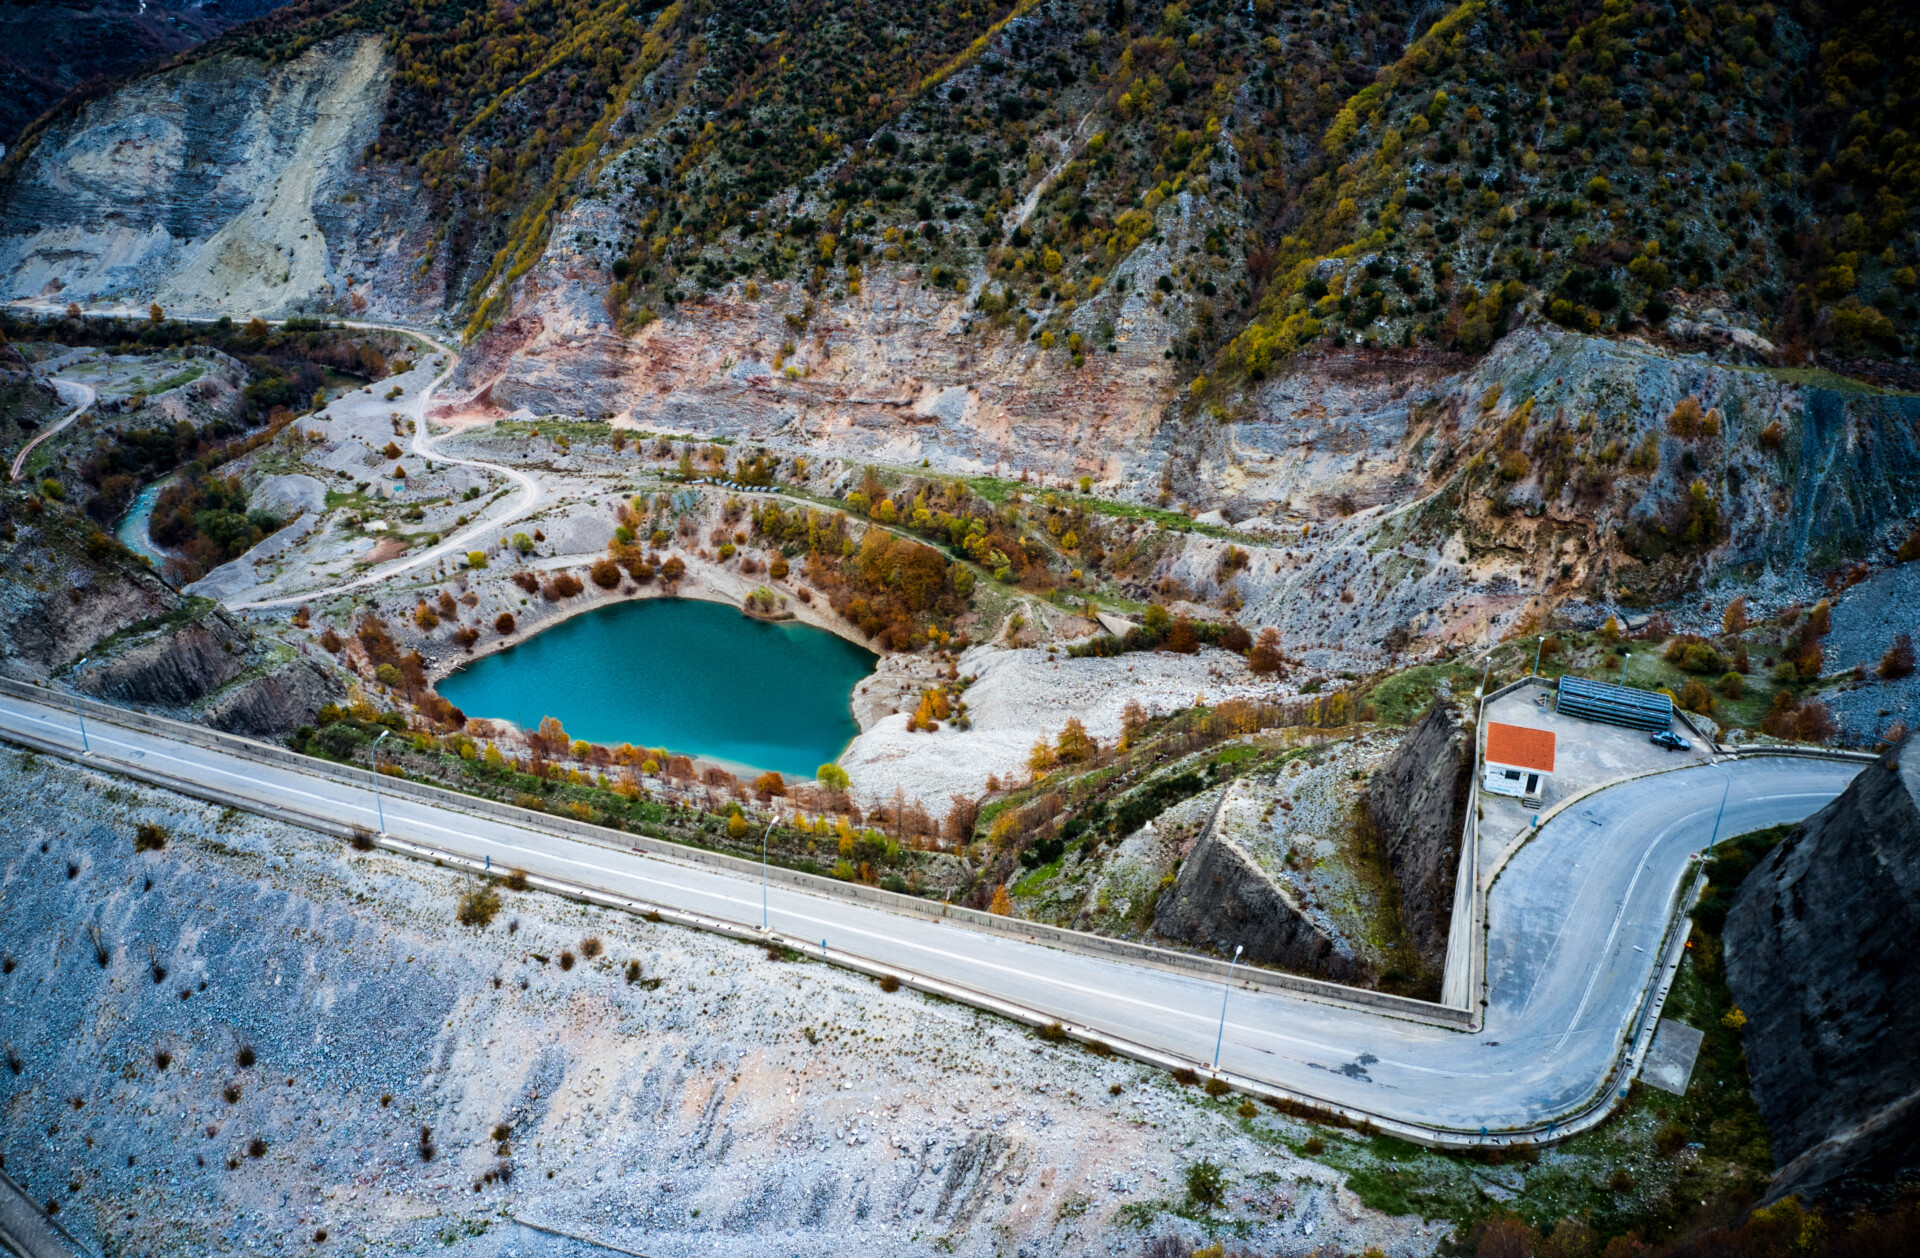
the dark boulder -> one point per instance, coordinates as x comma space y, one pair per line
1821, 958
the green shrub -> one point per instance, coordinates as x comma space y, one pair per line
149, 837
1206, 1185
478, 907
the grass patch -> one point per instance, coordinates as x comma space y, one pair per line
1400, 698
1821, 378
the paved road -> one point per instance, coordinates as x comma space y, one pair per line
72, 390
1574, 923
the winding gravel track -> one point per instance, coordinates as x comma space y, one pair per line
422, 445
72, 388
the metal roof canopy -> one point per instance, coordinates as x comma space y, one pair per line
1614, 705
1520, 747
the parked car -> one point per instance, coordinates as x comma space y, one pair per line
1671, 741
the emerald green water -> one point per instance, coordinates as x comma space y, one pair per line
694, 677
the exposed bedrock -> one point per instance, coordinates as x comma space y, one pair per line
224, 184
271, 704
215, 670
1821, 959
1222, 898
1417, 801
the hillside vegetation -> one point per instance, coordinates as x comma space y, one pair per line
1376, 173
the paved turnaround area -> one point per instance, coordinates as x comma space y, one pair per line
1576, 922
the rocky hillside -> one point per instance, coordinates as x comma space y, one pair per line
1820, 957
1211, 183
49, 50
1416, 300
73, 592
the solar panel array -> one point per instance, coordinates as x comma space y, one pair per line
1615, 705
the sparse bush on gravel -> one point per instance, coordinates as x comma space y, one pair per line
1217, 1086
244, 1058
590, 947
1206, 1185
149, 837
162, 1059
478, 907
516, 880
362, 839
566, 959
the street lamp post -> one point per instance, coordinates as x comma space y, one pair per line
1538, 643
763, 871
379, 808
86, 749
1727, 780
1226, 991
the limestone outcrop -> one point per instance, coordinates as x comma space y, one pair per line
1222, 898
1820, 956
224, 184
1417, 803
270, 704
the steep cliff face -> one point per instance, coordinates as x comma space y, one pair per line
225, 184
1222, 898
68, 593
889, 375
1417, 801
1821, 958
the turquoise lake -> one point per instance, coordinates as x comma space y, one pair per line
697, 678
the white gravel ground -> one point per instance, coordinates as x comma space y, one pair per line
1025, 694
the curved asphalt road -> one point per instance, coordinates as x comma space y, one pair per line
1575, 921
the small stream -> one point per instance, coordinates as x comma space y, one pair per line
132, 529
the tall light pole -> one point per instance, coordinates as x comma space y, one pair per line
763, 869
380, 809
1226, 991
1727, 778
85, 748
1538, 643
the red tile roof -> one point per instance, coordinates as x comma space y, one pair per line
1519, 747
